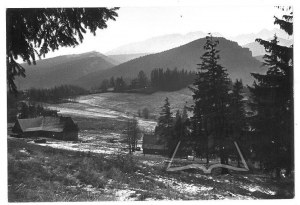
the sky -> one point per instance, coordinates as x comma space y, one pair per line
135, 24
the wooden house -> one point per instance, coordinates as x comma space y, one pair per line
61, 128
153, 145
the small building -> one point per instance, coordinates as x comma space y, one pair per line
153, 145
61, 128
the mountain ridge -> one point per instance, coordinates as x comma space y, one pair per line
258, 50
62, 69
237, 60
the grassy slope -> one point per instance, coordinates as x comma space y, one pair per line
38, 173
132, 102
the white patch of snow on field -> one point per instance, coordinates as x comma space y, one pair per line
152, 163
149, 163
88, 112
253, 188
24, 151
124, 195
84, 110
82, 147
182, 187
90, 188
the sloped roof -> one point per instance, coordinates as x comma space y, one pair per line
51, 124
151, 139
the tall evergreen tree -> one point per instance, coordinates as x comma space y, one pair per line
165, 124
273, 100
211, 99
142, 79
237, 121
104, 85
112, 82
238, 114
177, 127
120, 85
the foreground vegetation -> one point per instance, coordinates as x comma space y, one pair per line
37, 173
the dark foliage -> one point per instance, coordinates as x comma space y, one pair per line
272, 95
160, 80
145, 113
32, 111
132, 133
120, 85
56, 94
34, 32
164, 127
212, 99
237, 110
171, 80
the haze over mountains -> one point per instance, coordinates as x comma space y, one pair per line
159, 43
165, 42
237, 60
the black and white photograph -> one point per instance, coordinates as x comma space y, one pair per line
154, 102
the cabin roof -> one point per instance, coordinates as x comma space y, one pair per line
50, 124
150, 139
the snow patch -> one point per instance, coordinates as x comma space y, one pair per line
253, 188
182, 187
124, 195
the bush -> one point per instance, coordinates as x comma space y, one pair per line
125, 162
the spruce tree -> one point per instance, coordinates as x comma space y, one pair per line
142, 79
112, 82
165, 124
238, 114
178, 127
237, 121
273, 101
211, 99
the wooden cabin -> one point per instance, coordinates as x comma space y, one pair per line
152, 145
61, 128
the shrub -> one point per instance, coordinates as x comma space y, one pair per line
125, 162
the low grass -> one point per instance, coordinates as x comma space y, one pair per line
103, 124
44, 174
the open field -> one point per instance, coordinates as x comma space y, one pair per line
115, 105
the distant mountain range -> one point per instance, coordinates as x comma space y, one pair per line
166, 42
63, 70
258, 50
159, 43
237, 60
89, 69
263, 34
